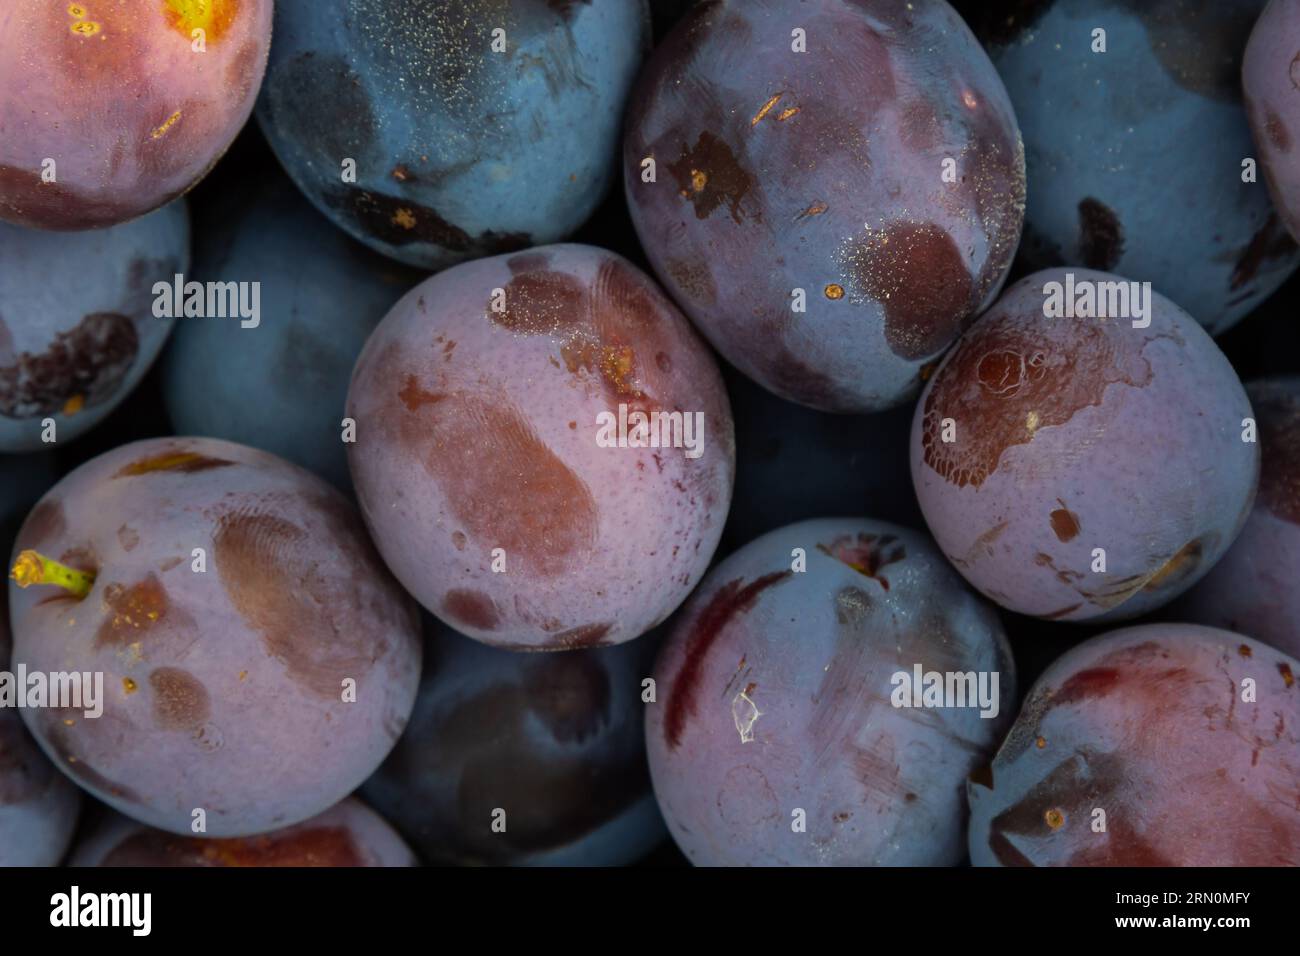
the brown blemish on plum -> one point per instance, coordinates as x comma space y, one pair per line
732, 599
26, 200
1269, 243
312, 846
1058, 614
180, 462
415, 397
131, 613
587, 635
1244, 650
471, 608
90, 360
128, 538
170, 563
709, 175
1277, 132
867, 554
1180, 565
399, 222
917, 275
570, 694
1009, 365
60, 742
502, 482
1277, 412
1287, 677
694, 278
541, 302
321, 627
1065, 523
180, 701
46, 523
1101, 236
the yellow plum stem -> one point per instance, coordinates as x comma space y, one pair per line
32, 567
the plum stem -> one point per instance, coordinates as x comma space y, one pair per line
32, 567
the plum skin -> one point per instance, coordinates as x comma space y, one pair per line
824, 172
224, 690
347, 834
1251, 590
553, 740
281, 386
1073, 434
1105, 190
1148, 724
73, 350
1268, 75
477, 443
117, 96
460, 152
774, 694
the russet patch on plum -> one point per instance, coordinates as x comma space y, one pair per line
471, 608
134, 613
180, 701
178, 462
89, 360
301, 846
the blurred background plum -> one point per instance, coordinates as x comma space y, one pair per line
473, 127
109, 110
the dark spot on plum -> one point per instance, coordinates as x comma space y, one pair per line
867, 554
471, 609
321, 627
733, 598
1094, 682
414, 396
665, 362
311, 846
587, 635
570, 694
1065, 523
90, 360
1269, 243
541, 302
1287, 677
709, 176
173, 461
982, 776
180, 701
1244, 650
1013, 374
1277, 132
66, 754
400, 222
917, 275
132, 613
46, 523
1101, 236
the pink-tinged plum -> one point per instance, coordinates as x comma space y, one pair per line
468, 127
77, 327
258, 661
482, 464
109, 109
347, 834
1159, 745
1270, 76
549, 746
776, 694
1083, 468
880, 173
1253, 588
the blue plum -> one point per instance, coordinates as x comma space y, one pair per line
77, 327
1134, 155
1252, 590
281, 385
1160, 745
780, 736
551, 742
461, 150
830, 219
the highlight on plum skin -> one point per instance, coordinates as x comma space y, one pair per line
348, 834
1157, 745
777, 736
1083, 468
498, 463
1252, 589
524, 759
830, 220
111, 109
258, 662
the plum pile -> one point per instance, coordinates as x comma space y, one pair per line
649, 432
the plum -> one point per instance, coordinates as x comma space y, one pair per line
258, 661
829, 220
347, 834
1158, 745
442, 130
280, 386
74, 344
773, 739
1135, 155
108, 110
1079, 468
1252, 589
1270, 77
490, 405
794, 463
547, 747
